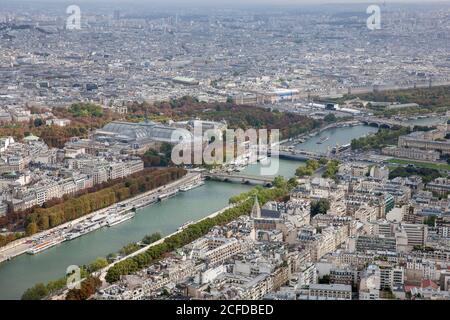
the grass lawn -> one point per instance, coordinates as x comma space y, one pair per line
437, 166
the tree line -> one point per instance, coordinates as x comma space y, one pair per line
41, 291
237, 116
44, 218
193, 232
379, 140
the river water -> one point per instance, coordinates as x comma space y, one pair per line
24, 271
341, 136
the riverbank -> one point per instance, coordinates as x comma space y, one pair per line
21, 246
101, 274
164, 217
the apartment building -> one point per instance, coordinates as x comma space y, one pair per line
330, 292
411, 153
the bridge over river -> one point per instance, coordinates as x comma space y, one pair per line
382, 122
239, 178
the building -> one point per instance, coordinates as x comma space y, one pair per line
370, 283
330, 292
375, 243
417, 233
379, 172
420, 140
440, 186
411, 153
391, 277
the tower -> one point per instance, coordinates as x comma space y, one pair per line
256, 210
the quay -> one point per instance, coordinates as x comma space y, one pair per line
239, 178
21, 246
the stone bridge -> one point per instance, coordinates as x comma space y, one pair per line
382, 123
239, 178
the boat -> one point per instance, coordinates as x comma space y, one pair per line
44, 245
97, 217
73, 235
119, 219
185, 225
145, 203
167, 195
262, 158
191, 186
322, 140
93, 226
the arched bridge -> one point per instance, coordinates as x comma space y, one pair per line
382, 123
239, 178
296, 154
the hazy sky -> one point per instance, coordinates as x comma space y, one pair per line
208, 4
241, 2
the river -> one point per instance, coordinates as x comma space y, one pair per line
341, 136
429, 121
24, 271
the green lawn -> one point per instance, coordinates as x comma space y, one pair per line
437, 166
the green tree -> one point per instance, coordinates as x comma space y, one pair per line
97, 264
38, 122
319, 207
323, 161
280, 182
32, 228
37, 292
148, 239
330, 118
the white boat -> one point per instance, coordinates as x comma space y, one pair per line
145, 203
97, 217
167, 195
93, 226
119, 219
44, 245
322, 140
73, 235
185, 225
191, 186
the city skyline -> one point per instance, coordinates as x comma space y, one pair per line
243, 150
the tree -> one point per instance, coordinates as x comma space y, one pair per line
323, 161
303, 171
292, 183
320, 207
279, 182
331, 169
430, 221
308, 170
38, 122
97, 264
313, 164
148, 239
32, 228
330, 118
88, 288
325, 279
37, 292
